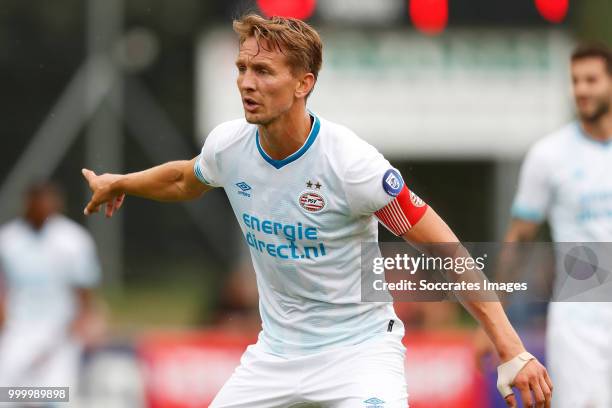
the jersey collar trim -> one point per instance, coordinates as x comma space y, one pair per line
314, 132
584, 135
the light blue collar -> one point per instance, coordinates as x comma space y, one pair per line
314, 132
585, 135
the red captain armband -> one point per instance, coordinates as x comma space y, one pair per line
404, 211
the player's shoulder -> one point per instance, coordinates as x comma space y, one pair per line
230, 132
69, 230
344, 144
10, 229
561, 137
556, 144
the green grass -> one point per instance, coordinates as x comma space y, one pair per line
177, 299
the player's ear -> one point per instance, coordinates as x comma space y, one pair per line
305, 84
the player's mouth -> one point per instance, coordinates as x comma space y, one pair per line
249, 104
583, 100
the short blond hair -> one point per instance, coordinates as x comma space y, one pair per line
300, 43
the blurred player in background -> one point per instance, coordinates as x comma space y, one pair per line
566, 179
49, 268
307, 192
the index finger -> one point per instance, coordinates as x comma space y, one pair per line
88, 174
548, 380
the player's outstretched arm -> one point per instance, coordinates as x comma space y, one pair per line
518, 368
172, 181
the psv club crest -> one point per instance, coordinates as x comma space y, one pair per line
312, 200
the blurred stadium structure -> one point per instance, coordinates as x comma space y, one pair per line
453, 92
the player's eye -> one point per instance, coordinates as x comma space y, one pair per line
241, 68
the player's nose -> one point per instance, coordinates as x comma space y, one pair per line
247, 82
581, 88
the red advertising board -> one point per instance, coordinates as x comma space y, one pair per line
441, 371
185, 370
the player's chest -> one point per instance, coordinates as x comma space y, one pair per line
34, 261
309, 195
584, 184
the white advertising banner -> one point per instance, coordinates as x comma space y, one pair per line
481, 94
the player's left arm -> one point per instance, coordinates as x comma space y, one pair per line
2, 299
89, 322
418, 224
430, 228
88, 325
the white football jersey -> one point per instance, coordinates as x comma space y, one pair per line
567, 179
41, 269
304, 219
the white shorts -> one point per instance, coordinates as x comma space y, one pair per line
38, 357
368, 375
579, 354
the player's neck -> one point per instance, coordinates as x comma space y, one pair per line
284, 136
35, 223
600, 130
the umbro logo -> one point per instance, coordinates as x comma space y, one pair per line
244, 187
374, 403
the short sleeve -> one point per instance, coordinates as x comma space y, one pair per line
206, 167
534, 192
86, 271
2, 280
370, 181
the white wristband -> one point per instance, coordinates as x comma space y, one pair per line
506, 373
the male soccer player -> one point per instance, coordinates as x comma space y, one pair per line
566, 178
306, 193
48, 268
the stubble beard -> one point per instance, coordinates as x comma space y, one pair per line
602, 109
